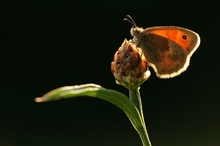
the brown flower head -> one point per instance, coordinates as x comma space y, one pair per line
129, 66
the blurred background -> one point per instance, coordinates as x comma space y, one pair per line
50, 44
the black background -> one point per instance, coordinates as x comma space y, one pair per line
49, 44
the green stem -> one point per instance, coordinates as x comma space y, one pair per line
135, 97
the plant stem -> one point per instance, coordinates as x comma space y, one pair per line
135, 97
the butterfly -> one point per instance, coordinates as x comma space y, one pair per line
167, 48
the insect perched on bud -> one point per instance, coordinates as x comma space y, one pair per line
167, 48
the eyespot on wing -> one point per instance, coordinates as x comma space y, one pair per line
187, 39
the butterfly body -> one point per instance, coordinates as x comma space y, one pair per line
167, 48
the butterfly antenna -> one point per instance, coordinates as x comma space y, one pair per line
129, 19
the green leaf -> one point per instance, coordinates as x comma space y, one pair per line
96, 91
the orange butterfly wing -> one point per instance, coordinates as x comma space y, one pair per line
186, 38
167, 48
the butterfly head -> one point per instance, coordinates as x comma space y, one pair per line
135, 30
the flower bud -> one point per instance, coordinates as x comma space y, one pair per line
129, 66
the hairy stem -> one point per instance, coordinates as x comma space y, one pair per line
135, 97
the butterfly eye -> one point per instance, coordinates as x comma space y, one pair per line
184, 37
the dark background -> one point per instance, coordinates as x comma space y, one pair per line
49, 44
